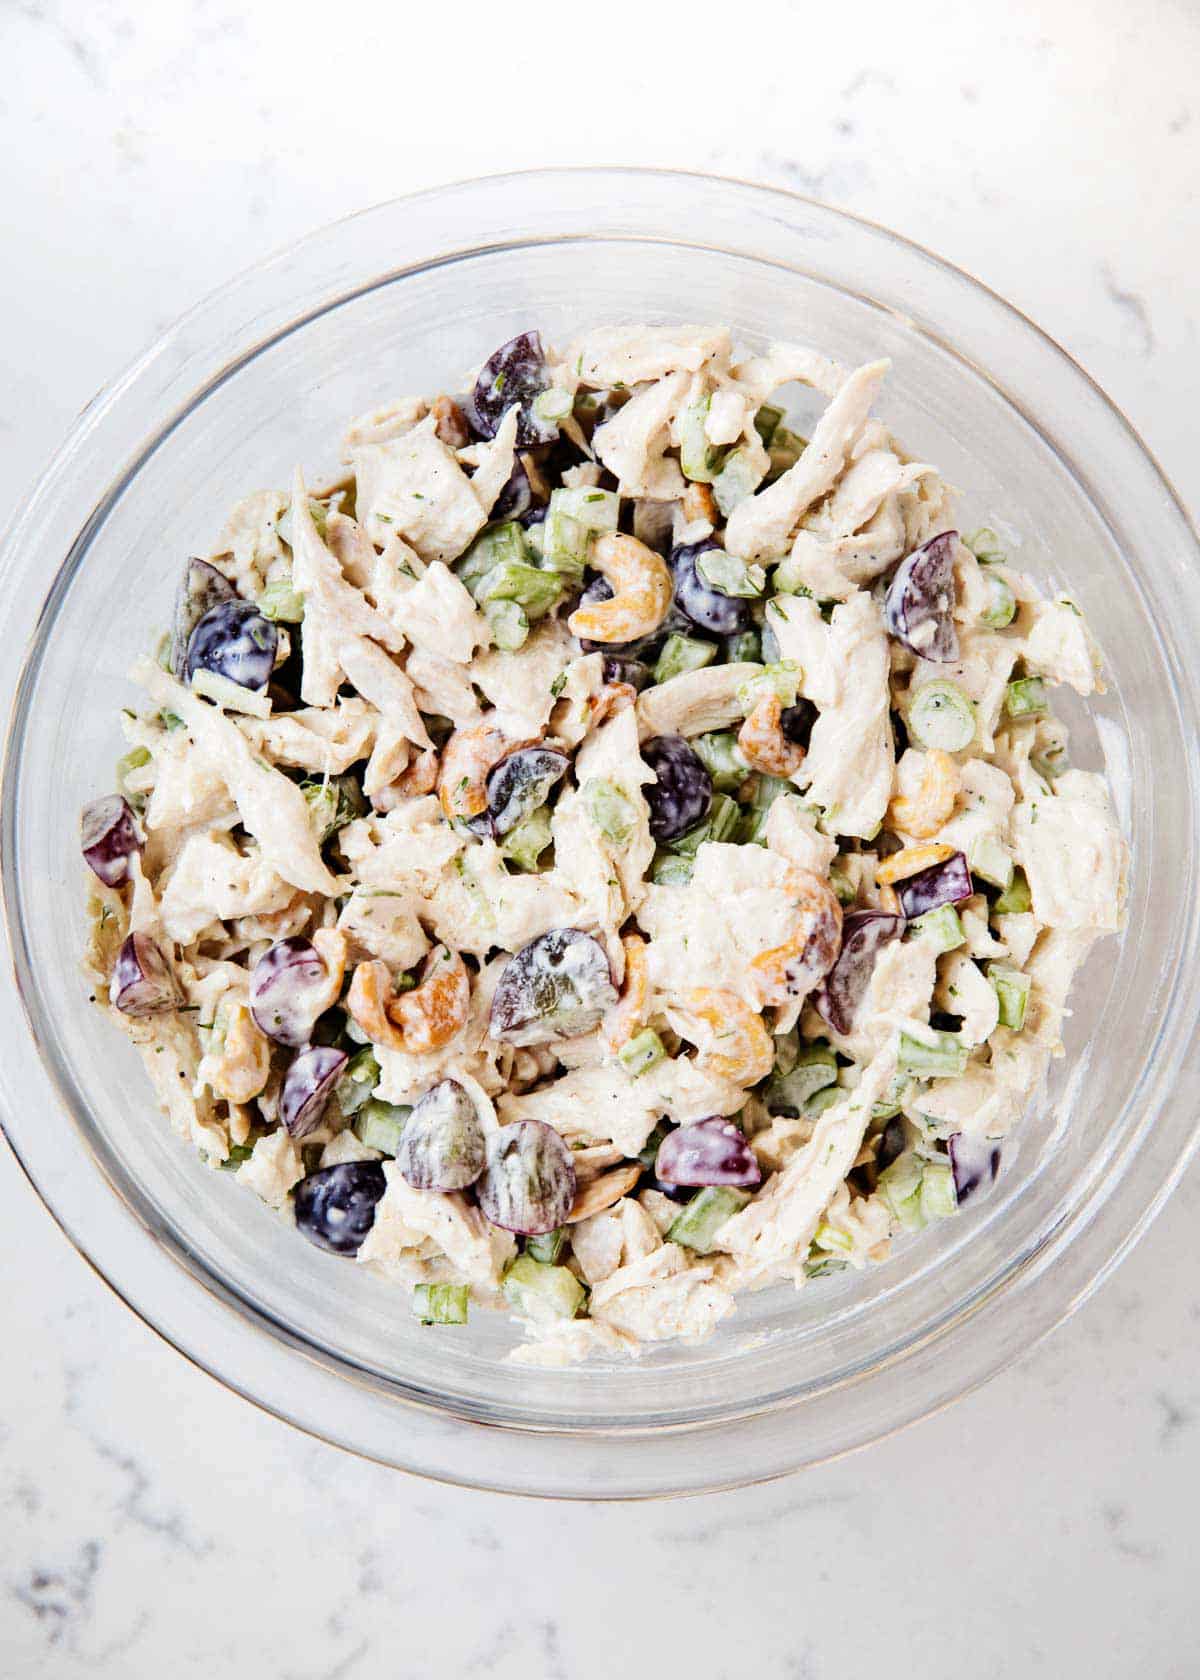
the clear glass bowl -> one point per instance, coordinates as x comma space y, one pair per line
401, 299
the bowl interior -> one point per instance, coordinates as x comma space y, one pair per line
284, 398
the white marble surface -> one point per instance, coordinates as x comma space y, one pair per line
150, 1523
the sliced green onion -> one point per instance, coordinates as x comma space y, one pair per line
379, 1124
359, 1078
722, 758
535, 590
525, 843
989, 858
1002, 603
509, 623
613, 814
941, 716
542, 1292
281, 602
683, 653
441, 1303
547, 1247
736, 481
1012, 994
1016, 899
730, 576
941, 927
744, 649
697, 457
671, 870
985, 546
642, 1052
697, 1226
781, 679
553, 405
1027, 697
815, 1068
766, 421
942, 1058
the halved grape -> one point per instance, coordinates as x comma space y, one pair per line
942, 883
442, 1145
701, 604
201, 588
557, 986
528, 1185
974, 1164
797, 721
108, 838
307, 1087
289, 988
682, 794
520, 782
864, 934
920, 602
235, 641
142, 982
619, 668
712, 1151
516, 373
335, 1208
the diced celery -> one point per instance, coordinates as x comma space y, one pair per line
281, 602
135, 759
547, 1247
333, 803
722, 758
940, 715
815, 1068
737, 479
697, 1226
553, 405
937, 1200
744, 649
359, 1078
642, 1052
786, 579
1002, 603
613, 814
535, 590
821, 1100
941, 927
894, 1098
781, 679
1016, 898
596, 510
441, 1303
509, 623
831, 1241
379, 1124
683, 653
1012, 994
525, 843
768, 789
697, 457
498, 545
765, 422
239, 1154
844, 888
752, 827
985, 546
900, 1187
671, 870
1027, 697
988, 857
542, 1292
730, 576
943, 1057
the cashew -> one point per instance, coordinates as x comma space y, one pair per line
466, 759
698, 503
627, 1016
763, 743
417, 1021
792, 969
641, 596
243, 1065
738, 1045
420, 776
450, 424
611, 698
604, 1192
933, 803
911, 861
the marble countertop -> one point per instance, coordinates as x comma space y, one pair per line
154, 1524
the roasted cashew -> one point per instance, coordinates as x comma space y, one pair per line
764, 745
699, 503
641, 592
933, 803
911, 861
627, 1016
243, 1064
604, 1192
466, 759
450, 423
417, 1021
330, 946
739, 1046
611, 698
792, 969
421, 775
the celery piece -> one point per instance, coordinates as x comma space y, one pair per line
815, 1068
831, 1241
547, 1247
134, 759
752, 827
940, 715
900, 1187
722, 758
640, 1053
1012, 994
535, 590
1016, 898
937, 1198
239, 1154
941, 927
768, 789
1002, 604
596, 510
281, 602
844, 889
697, 457
696, 1227
1027, 697
683, 653
613, 814
720, 823
988, 857
379, 1124
494, 546
893, 1099
737, 480
553, 405
781, 679
765, 422
786, 578
730, 576
525, 843
670, 870
942, 1058
745, 648
821, 1100
541, 1292
509, 623
441, 1303
359, 1079
565, 544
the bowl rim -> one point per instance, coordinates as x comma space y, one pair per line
104, 402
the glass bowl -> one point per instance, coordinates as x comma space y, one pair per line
403, 298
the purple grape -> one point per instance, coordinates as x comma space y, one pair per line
682, 795
891, 1143
864, 933
335, 1208
974, 1165
622, 669
142, 982
920, 602
712, 1151
289, 988
528, 1185
700, 603
557, 986
516, 373
442, 1146
519, 783
108, 838
307, 1087
942, 883
797, 721
201, 588
523, 494
235, 641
